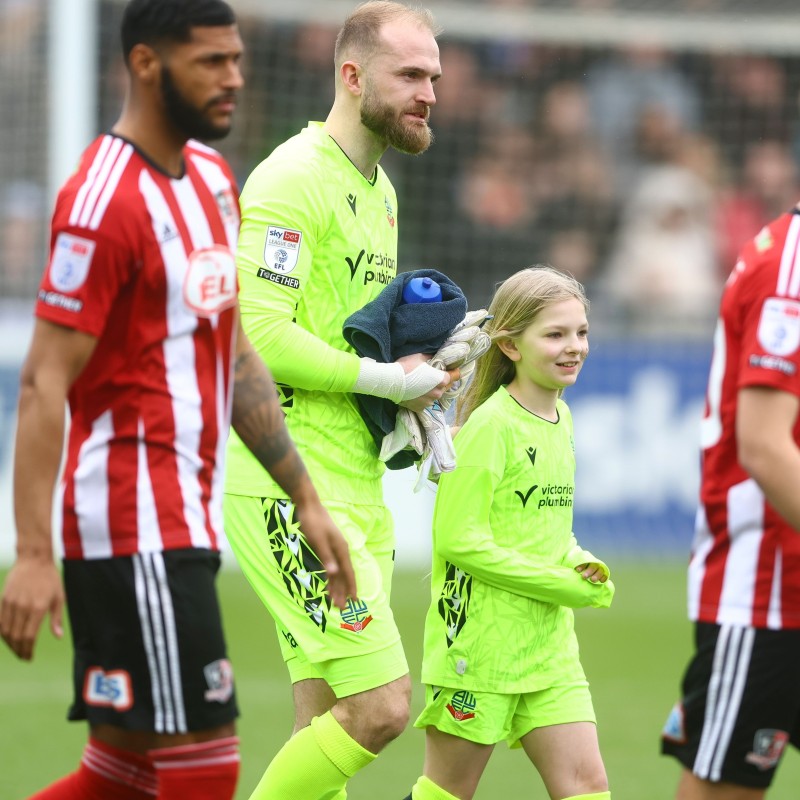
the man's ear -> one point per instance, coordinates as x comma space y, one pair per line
508, 348
144, 63
352, 78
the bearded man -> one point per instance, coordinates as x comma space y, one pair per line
318, 242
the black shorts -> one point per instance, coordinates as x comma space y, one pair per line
740, 706
149, 648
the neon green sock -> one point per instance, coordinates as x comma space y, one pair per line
595, 796
315, 764
426, 789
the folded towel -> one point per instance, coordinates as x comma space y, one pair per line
386, 329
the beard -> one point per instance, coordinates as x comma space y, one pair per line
192, 121
383, 121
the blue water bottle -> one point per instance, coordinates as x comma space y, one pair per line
422, 290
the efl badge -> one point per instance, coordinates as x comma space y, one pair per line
282, 249
462, 706
69, 266
356, 616
779, 326
210, 283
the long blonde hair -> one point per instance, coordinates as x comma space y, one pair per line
515, 304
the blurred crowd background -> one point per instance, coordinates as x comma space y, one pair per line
639, 165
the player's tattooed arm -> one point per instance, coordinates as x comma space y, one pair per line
258, 419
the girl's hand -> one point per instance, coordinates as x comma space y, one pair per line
592, 572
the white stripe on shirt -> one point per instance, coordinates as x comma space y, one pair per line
91, 176
90, 482
111, 187
99, 182
148, 528
746, 532
789, 274
179, 361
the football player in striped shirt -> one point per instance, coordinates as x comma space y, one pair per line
740, 704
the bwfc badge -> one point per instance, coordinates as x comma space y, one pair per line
389, 211
462, 706
356, 616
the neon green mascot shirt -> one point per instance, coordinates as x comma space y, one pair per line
503, 583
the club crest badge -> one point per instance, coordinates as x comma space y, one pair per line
356, 616
462, 706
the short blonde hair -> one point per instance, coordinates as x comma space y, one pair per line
516, 303
360, 36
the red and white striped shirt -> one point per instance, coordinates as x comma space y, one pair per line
144, 262
745, 557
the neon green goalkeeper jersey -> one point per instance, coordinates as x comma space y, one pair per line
318, 241
503, 583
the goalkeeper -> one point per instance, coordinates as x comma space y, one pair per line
501, 657
318, 241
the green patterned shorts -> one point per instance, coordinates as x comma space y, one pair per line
354, 649
489, 718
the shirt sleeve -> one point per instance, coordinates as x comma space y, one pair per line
462, 535
769, 325
86, 272
280, 204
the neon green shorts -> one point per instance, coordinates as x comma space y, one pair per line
354, 649
488, 718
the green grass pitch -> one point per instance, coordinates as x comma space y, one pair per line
633, 654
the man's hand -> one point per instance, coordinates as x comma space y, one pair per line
327, 541
409, 364
33, 589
